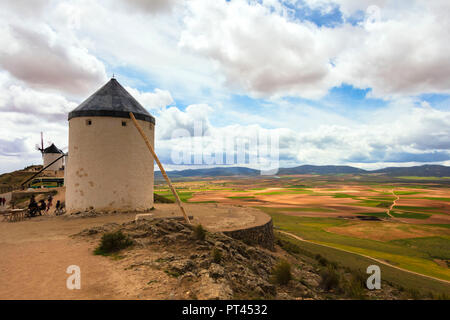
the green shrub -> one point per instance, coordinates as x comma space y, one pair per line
440, 296
216, 255
282, 272
199, 232
414, 294
354, 288
330, 279
112, 242
288, 246
172, 273
322, 261
359, 277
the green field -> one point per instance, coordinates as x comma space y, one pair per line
374, 214
344, 195
436, 199
398, 278
423, 178
407, 193
409, 215
373, 203
395, 253
434, 247
416, 209
184, 196
415, 246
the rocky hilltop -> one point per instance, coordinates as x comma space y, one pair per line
220, 267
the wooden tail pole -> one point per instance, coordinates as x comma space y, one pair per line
149, 146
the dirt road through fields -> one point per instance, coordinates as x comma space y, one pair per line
393, 204
362, 255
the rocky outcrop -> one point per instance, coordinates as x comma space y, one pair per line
220, 266
242, 269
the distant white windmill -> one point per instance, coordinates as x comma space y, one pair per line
50, 154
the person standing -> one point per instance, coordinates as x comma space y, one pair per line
32, 206
58, 208
49, 202
42, 207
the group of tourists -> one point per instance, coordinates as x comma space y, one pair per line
35, 208
2, 201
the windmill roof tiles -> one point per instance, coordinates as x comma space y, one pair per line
111, 100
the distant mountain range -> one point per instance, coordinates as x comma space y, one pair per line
419, 171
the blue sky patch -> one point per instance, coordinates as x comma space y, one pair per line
318, 17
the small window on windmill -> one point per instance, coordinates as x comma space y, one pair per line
124, 123
88, 122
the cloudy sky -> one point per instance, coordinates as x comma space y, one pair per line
357, 82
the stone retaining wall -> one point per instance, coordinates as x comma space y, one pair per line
260, 235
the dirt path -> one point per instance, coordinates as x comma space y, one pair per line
35, 255
388, 212
362, 255
394, 203
37, 270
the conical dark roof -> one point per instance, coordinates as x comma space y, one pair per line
52, 149
111, 100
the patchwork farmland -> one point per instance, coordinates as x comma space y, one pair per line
349, 213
